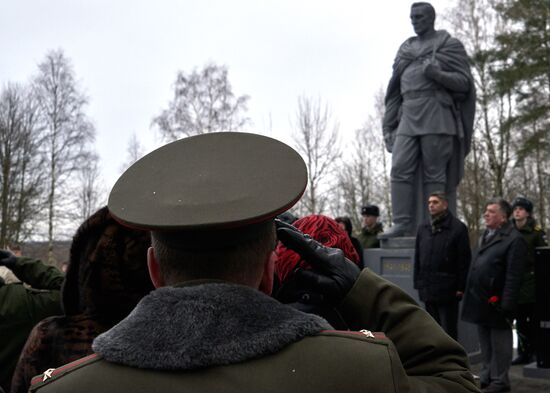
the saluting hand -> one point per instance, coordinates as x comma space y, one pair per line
333, 275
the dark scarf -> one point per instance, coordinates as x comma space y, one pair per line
438, 220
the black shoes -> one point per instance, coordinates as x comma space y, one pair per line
521, 359
495, 389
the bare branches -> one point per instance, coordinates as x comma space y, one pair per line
203, 102
363, 177
67, 132
316, 139
134, 151
21, 175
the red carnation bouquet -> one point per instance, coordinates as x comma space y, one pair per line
321, 228
493, 300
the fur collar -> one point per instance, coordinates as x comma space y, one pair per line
183, 328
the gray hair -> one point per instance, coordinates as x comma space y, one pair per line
503, 205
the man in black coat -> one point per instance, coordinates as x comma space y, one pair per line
441, 261
492, 290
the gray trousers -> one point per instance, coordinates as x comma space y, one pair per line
435, 152
496, 355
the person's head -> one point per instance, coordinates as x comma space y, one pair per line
497, 213
522, 209
243, 262
321, 228
107, 273
345, 224
437, 203
370, 214
209, 201
15, 248
422, 18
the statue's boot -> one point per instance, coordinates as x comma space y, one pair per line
402, 202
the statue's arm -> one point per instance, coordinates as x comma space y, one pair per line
449, 66
453, 81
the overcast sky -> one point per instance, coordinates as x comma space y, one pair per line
126, 55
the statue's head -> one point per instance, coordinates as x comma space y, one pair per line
422, 18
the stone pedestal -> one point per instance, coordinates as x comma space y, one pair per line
394, 262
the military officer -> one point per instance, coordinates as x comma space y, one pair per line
525, 317
210, 201
371, 227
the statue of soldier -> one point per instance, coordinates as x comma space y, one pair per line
428, 119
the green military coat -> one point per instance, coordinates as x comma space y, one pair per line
270, 348
369, 237
21, 308
535, 237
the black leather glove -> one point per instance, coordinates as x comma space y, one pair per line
333, 274
7, 259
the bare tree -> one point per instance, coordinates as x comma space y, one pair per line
21, 173
134, 151
203, 102
90, 192
475, 23
67, 132
316, 139
363, 175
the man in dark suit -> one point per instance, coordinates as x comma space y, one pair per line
492, 290
441, 261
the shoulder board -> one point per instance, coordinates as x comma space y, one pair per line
538, 228
54, 373
353, 334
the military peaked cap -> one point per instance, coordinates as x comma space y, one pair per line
209, 182
370, 210
523, 202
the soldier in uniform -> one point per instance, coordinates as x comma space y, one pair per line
22, 307
210, 201
371, 227
525, 317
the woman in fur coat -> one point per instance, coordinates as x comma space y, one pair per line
106, 278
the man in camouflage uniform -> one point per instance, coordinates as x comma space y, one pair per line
210, 327
371, 227
534, 235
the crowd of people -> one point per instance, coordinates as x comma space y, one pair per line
210, 295
496, 282
174, 286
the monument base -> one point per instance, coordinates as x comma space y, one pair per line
397, 242
395, 262
532, 371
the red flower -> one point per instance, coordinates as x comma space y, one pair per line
493, 299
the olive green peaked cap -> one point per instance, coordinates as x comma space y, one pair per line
207, 182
